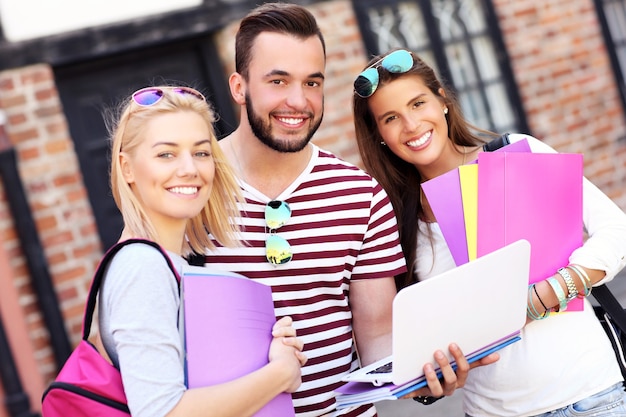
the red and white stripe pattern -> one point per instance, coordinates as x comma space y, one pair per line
342, 227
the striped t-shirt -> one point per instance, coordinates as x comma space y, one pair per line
342, 228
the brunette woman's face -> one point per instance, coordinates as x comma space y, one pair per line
412, 123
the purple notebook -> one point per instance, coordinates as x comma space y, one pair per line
228, 330
446, 200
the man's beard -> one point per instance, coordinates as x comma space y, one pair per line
264, 132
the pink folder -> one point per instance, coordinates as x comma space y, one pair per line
228, 330
532, 196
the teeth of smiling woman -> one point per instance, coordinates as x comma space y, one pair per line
290, 121
184, 190
420, 141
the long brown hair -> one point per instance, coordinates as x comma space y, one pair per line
399, 178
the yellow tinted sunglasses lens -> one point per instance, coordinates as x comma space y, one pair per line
277, 249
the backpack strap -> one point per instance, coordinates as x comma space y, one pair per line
99, 276
497, 143
611, 305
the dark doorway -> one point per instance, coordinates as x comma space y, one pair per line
88, 88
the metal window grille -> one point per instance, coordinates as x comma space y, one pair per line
462, 42
612, 17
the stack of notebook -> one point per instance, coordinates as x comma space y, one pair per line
509, 195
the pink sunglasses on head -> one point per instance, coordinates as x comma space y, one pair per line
152, 95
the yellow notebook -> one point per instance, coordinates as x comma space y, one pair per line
468, 175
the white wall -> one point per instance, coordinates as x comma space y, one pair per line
27, 19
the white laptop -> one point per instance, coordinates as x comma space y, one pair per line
480, 305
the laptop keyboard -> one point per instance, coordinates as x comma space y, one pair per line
384, 369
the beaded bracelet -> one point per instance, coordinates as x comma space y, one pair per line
560, 294
584, 278
572, 291
530, 306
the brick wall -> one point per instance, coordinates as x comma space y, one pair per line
567, 86
52, 182
558, 59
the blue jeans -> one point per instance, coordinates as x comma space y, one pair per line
608, 403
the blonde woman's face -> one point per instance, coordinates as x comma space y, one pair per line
171, 172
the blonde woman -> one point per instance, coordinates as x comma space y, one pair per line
171, 183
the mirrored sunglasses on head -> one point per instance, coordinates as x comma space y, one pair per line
152, 95
277, 249
397, 62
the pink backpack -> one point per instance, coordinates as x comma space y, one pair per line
88, 385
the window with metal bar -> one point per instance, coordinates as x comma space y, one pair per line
460, 39
612, 17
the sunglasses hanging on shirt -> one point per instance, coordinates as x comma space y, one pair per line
277, 249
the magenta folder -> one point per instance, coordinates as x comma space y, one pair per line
228, 330
532, 196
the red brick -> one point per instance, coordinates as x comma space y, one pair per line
64, 180
46, 223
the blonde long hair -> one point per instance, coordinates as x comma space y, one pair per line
217, 217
